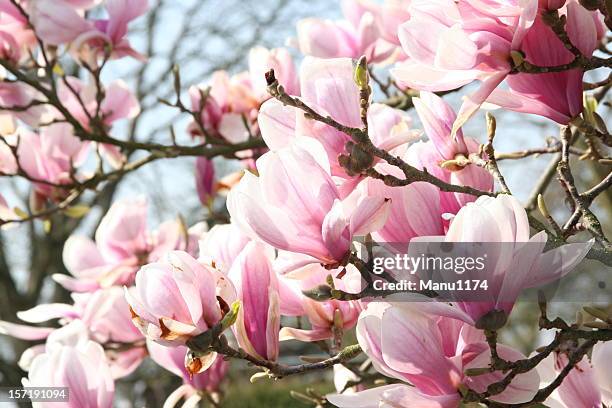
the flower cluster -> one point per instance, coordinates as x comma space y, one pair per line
325, 173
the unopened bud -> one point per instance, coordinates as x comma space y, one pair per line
491, 126
542, 206
362, 77
177, 79
338, 320
231, 316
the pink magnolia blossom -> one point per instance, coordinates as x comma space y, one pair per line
442, 155
71, 360
221, 246
118, 103
516, 262
105, 318
588, 384
328, 86
60, 22
80, 100
16, 37
229, 109
261, 60
231, 103
465, 41
393, 14
8, 164
178, 298
18, 95
294, 205
324, 317
415, 209
555, 95
122, 244
258, 322
358, 35
173, 360
431, 353
205, 180
48, 159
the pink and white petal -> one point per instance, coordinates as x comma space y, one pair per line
277, 124
24, 332
119, 103
290, 333
581, 28
57, 22
46, 312
558, 262
521, 103
81, 253
472, 102
76, 285
364, 399
522, 388
602, 353
328, 84
425, 78
455, 50
25, 361
370, 215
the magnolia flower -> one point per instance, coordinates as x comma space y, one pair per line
415, 209
457, 51
393, 14
514, 260
49, 157
71, 360
16, 37
178, 298
221, 246
205, 180
555, 95
328, 86
80, 100
8, 163
325, 317
229, 107
61, 22
122, 244
588, 384
262, 60
19, 95
358, 35
446, 156
105, 318
294, 205
431, 353
258, 322
173, 360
